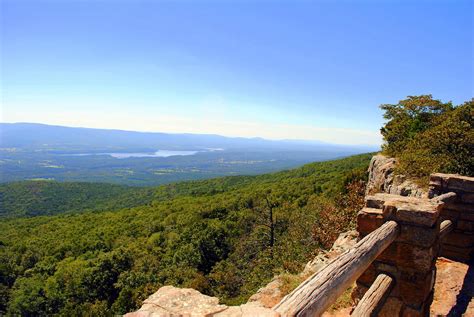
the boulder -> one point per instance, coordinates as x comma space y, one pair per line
383, 179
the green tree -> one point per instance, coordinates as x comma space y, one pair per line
407, 118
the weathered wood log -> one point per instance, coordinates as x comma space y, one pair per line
318, 292
374, 298
445, 228
446, 198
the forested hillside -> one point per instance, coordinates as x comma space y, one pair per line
225, 237
36, 198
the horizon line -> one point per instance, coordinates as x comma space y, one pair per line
203, 134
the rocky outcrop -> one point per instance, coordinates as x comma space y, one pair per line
382, 178
170, 301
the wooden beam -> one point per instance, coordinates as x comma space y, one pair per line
374, 298
446, 198
445, 228
318, 292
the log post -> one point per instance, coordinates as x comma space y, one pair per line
318, 292
374, 298
445, 228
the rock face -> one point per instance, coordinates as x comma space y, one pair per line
383, 179
170, 301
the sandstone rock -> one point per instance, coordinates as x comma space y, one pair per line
269, 295
369, 219
173, 301
392, 307
418, 211
247, 310
452, 182
382, 179
454, 288
415, 210
380, 173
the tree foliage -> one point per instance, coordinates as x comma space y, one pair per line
428, 136
204, 235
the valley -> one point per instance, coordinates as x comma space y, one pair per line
42, 152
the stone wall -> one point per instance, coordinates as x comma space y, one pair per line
411, 259
459, 244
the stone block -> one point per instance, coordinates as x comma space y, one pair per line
412, 312
409, 257
459, 239
369, 219
377, 200
456, 253
392, 307
417, 211
452, 182
369, 276
449, 214
415, 288
418, 236
461, 207
466, 226
467, 198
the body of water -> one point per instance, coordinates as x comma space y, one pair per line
159, 153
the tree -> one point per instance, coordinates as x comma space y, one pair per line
407, 118
266, 214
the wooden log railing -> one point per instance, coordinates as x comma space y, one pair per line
318, 292
374, 298
445, 228
321, 290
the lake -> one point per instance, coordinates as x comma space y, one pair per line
159, 153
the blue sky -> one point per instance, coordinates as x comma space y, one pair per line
274, 69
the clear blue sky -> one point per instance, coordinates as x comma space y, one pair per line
275, 69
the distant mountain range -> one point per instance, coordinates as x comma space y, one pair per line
37, 151
41, 136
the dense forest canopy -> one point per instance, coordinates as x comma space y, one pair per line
209, 235
427, 136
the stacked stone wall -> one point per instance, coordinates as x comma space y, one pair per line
411, 259
459, 244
